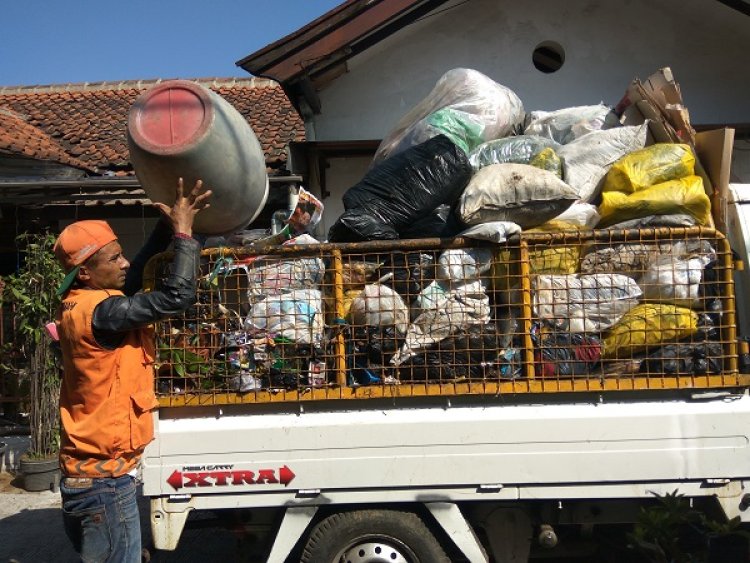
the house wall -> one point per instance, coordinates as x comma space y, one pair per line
606, 45
131, 232
341, 174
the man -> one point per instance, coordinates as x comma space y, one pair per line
107, 397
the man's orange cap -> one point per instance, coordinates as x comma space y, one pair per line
77, 243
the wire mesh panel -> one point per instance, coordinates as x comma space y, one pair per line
548, 312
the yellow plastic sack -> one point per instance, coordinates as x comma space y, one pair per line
506, 268
556, 226
547, 159
648, 325
355, 275
676, 196
330, 304
646, 167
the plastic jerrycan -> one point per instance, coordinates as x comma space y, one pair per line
181, 129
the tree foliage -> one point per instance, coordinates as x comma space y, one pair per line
30, 294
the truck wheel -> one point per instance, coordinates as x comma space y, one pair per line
372, 536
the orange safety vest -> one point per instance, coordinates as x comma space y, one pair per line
107, 396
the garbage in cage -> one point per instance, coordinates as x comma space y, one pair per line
675, 281
269, 275
649, 326
407, 273
700, 358
585, 303
635, 259
379, 305
307, 213
457, 266
630, 259
369, 349
458, 308
472, 352
443, 312
562, 354
296, 315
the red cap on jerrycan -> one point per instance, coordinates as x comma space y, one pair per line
181, 129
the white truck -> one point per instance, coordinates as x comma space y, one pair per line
477, 453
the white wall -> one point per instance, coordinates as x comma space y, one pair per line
131, 232
741, 161
606, 45
341, 174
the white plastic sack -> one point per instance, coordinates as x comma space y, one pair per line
674, 220
460, 307
496, 108
589, 158
379, 305
459, 265
432, 295
296, 315
580, 214
673, 280
568, 124
584, 303
268, 275
519, 193
493, 231
518, 149
635, 259
629, 258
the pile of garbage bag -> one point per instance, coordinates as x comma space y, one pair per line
469, 161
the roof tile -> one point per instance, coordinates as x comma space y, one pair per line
19, 137
89, 121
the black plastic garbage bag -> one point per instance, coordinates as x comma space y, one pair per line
402, 189
407, 273
368, 350
440, 223
357, 225
472, 353
562, 354
684, 359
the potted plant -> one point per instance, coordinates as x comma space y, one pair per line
31, 294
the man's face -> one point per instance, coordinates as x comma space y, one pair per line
106, 269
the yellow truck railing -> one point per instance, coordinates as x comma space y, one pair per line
557, 312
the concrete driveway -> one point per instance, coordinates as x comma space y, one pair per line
31, 531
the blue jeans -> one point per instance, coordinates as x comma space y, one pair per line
101, 519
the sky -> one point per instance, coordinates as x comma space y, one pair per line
70, 41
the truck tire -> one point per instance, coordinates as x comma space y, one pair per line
372, 536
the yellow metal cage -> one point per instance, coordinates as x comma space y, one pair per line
550, 312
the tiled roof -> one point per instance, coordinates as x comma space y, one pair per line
18, 137
88, 121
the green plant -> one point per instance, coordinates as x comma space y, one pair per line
673, 531
31, 295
